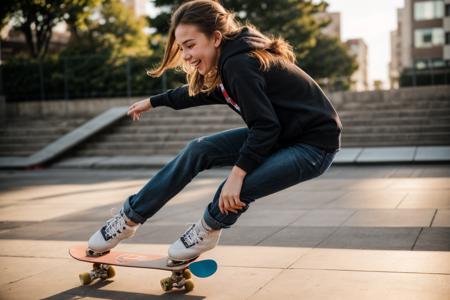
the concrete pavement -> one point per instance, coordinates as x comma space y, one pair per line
357, 232
346, 156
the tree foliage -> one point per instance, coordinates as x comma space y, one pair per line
325, 58
37, 18
114, 32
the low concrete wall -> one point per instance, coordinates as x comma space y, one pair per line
87, 108
427, 92
70, 108
2, 109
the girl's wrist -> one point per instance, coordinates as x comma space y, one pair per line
238, 171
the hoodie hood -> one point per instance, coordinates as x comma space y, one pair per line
246, 41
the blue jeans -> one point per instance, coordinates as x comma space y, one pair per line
285, 167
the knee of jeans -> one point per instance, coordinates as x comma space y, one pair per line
199, 146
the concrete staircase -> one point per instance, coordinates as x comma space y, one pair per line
396, 118
162, 131
407, 117
24, 136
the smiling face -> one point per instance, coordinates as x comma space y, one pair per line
197, 49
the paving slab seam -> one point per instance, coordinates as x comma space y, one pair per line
325, 204
85, 191
267, 283
337, 228
345, 220
29, 256
20, 279
432, 219
370, 271
29, 276
282, 228
403, 198
312, 248
417, 238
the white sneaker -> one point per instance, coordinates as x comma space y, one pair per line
107, 237
196, 240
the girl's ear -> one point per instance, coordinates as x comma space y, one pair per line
217, 38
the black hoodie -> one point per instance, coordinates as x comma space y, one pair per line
281, 106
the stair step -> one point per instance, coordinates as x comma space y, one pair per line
27, 139
425, 104
397, 121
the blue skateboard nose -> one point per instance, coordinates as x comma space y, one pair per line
203, 268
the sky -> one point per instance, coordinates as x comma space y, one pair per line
371, 20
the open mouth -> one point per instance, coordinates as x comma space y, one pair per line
195, 63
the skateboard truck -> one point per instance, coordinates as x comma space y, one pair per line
98, 271
179, 279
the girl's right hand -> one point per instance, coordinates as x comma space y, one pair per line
135, 110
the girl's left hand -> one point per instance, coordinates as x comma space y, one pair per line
229, 197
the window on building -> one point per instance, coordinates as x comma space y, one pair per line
447, 10
447, 38
438, 63
426, 10
428, 37
421, 64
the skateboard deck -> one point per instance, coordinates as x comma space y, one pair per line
181, 273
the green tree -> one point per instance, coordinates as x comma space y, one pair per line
110, 53
329, 62
37, 18
295, 21
292, 19
115, 32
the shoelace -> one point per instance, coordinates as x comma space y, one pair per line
194, 235
114, 225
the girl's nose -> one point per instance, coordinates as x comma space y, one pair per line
186, 56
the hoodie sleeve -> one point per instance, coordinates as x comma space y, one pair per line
247, 84
179, 98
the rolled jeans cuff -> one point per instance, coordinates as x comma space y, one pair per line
211, 222
131, 214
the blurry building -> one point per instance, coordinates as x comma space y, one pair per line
137, 6
421, 42
358, 48
334, 27
395, 65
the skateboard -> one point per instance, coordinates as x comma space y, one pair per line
181, 273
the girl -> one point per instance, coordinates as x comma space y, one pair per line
292, 134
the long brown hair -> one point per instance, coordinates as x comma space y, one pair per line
210, 16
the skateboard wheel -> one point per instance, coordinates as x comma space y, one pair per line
166, 284
187, 274
188, 286
111, 272
85, 278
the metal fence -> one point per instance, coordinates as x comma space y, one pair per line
82, 77
415, 77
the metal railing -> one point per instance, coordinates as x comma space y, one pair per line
79, 77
